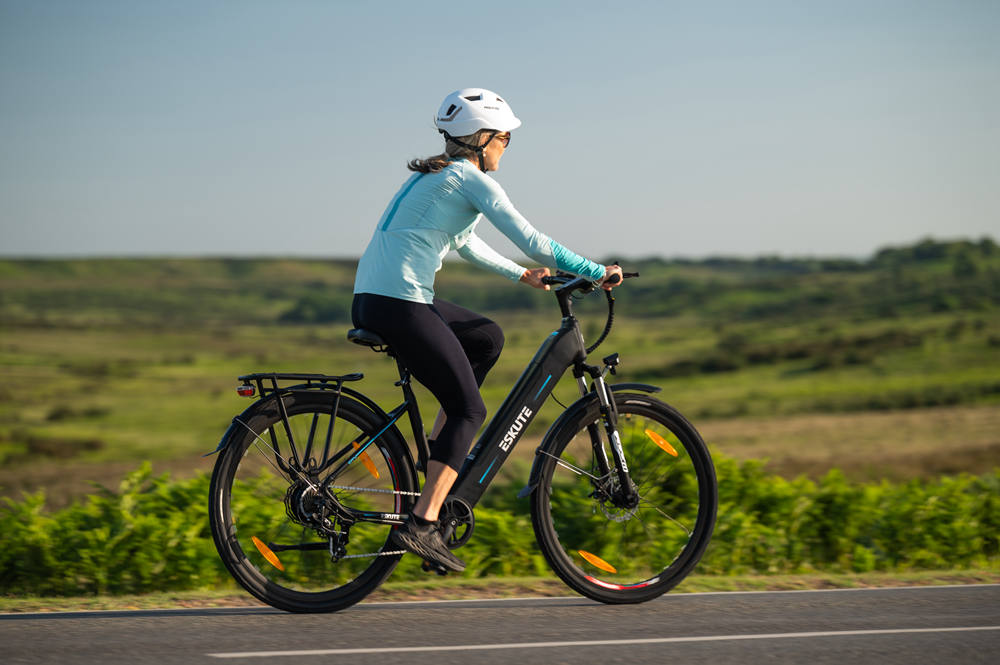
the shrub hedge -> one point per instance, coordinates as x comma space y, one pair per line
152, 534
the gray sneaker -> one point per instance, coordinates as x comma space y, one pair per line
426, 542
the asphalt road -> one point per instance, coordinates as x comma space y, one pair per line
956, 624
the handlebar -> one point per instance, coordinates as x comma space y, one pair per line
569, 284
584, 284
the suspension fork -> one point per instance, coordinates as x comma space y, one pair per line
609, 416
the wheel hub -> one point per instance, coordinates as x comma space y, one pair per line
617, 505
304, 505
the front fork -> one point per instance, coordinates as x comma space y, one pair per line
626, 494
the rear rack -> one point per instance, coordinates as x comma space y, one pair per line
311, 381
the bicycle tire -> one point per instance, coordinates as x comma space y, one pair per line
615, 554
254, 499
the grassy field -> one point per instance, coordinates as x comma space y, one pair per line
885, 369
90, 405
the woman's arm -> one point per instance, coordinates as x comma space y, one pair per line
475, 250
489, 198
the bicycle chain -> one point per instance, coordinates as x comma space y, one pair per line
372, 489
371, 554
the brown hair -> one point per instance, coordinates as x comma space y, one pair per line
452, 151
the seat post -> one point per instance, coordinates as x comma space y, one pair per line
376, 343
404, 373
413, 412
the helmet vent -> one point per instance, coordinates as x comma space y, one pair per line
475, 98
451, 109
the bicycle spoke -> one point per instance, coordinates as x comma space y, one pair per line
275, 450
657, 509
566, 465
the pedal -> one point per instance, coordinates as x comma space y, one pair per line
428, 566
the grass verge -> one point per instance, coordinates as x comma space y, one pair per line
505, 587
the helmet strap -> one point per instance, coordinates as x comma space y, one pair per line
478, 149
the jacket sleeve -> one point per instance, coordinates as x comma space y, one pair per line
474, 249
488, 197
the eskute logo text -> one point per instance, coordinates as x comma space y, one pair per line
515, 429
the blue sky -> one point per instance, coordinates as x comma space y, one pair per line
650, 128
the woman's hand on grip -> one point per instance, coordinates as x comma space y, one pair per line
612, 276
533, 277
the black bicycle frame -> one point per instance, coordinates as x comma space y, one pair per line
561, 350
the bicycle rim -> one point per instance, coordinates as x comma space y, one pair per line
279, 535
595, 541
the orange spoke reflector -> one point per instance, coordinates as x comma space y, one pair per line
661, 442
367, 461
266, 552
595, 560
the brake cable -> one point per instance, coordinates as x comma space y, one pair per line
607, 326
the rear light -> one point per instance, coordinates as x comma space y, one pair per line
246, 390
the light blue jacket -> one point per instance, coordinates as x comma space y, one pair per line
434, 213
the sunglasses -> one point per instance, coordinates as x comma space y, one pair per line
503, 138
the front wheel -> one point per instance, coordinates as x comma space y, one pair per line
618, 546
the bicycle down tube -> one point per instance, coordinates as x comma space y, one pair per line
561, 350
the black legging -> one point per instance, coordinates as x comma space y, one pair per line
448, 349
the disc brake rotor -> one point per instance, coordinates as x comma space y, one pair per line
612, 509
616, 514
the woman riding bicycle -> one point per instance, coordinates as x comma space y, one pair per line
447, 348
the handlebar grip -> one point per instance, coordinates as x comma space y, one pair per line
614, 279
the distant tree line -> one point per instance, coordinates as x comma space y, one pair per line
927, 276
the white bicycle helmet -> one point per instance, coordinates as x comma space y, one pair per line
468, 110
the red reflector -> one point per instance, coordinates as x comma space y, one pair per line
245, 390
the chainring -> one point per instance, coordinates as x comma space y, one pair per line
457, 522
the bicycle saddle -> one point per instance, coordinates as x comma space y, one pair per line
365, 337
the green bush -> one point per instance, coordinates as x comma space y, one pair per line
769, 524
153, 535
149, 535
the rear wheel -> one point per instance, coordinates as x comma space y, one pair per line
283, 538
599, 542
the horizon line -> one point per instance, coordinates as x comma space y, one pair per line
284, 256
